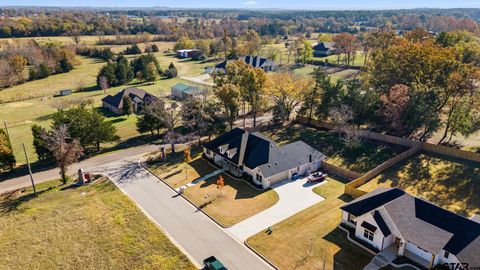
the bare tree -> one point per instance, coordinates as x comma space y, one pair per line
342, 117
171, 117
65, 150
103, 82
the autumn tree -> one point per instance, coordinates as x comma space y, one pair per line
220, 184
65, 150
393, 111
288, 91
228, 96
18, 64
7, 159
186, 154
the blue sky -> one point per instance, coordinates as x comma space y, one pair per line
286, 4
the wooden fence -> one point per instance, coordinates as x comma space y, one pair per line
414, 147
439, 149
336, 170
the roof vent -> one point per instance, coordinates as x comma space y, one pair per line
276, 163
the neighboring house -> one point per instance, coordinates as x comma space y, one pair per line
138, 96
183, 91
323, 49
244, 153
188, 53
414, 228
254, 61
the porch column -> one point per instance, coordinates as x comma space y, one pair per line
401, 248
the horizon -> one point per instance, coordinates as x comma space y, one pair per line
247, 4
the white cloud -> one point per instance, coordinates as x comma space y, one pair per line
251, 3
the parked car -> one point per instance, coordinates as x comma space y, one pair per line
211, 263
316, 177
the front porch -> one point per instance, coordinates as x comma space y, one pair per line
410, 258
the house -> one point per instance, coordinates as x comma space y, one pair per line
257, 157
188, 53
323, 49
412, 227
183, 91
254, 61
138, 96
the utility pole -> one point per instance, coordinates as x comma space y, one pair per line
6, 130
29, 170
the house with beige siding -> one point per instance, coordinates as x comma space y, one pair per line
253, 155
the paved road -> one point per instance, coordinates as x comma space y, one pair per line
192, 230
294, 196
47, 175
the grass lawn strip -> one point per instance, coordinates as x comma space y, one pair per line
311, 239
235, 202
450, 183
91, 227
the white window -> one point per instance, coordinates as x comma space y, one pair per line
351, 219
208, 152
259, 178
368, 235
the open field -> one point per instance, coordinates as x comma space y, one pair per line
235, 202
35, 100
89, 227
452, 184
311, 239
369, 155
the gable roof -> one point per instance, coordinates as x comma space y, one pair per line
252, 60
423, 223
324, 46
133, 92
255, 150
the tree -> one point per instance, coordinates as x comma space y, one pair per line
186, 154
171, 118
288, 91
41, 149
228, 95
331, 95
151, 74
347, 44
7, 159
102, 82
312, 97
127, 106
134, 49
123, 71
220, 184
18, 64
184, 43
252, 42
342, 117
155, 48
152, 118
65, 150
306, 51
393, 111
171, 72
85, 124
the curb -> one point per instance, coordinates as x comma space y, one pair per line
181, 195
149, 217
260, 255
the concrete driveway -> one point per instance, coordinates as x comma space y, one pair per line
197, 235
294, 196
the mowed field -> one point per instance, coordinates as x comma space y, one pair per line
90, 227
33, 102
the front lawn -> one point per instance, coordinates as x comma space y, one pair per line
311, 239
369, 155
452, 184
235, 202
89, 227
176, 172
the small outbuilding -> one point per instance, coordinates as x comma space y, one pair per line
183, 91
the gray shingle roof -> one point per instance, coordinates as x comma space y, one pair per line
424, 224
255, 150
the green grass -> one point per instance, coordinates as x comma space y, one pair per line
235, 202
310, 239
369, 155
358, 61
35, 100
89, 227
449, 183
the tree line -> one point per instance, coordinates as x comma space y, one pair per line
22, 61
